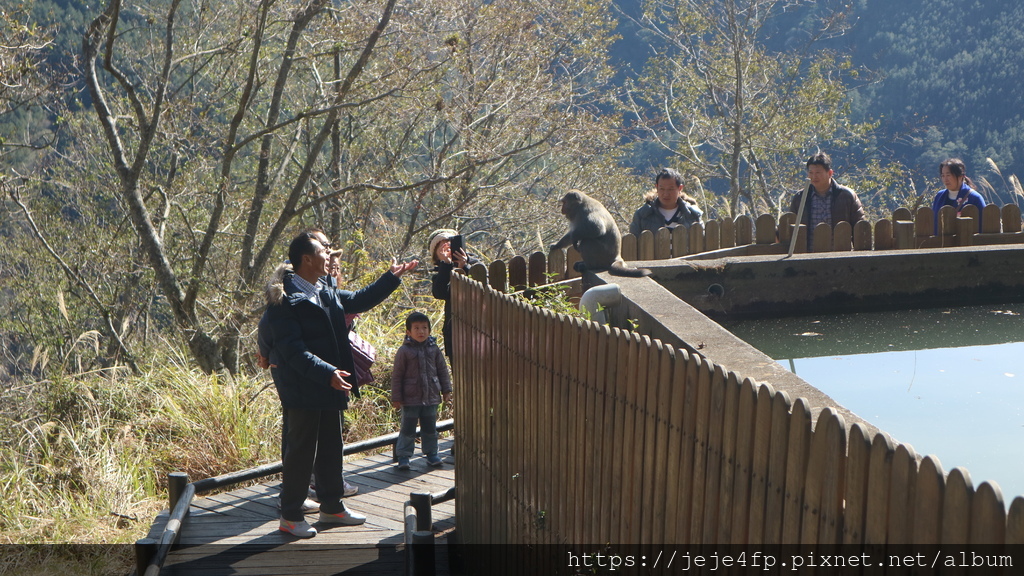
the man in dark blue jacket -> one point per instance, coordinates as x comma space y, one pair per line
313, 378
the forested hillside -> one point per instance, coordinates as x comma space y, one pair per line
951, 73
941, 77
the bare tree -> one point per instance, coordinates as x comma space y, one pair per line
721, 102
226, 126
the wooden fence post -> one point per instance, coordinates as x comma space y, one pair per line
176, 482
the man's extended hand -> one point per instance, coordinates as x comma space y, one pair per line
338, 380
399, 269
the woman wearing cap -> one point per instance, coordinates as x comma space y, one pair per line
444, 262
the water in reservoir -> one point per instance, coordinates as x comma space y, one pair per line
947, 381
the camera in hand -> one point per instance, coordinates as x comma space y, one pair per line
456, 243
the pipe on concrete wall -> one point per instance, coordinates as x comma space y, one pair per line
597, 298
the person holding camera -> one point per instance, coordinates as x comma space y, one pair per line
446, 259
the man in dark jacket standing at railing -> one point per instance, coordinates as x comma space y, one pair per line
827, 201
313, 377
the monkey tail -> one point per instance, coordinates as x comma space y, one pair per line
619, 269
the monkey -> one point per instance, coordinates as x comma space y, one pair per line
593, 232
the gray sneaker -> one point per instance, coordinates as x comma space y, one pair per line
346, 518
403, 463
300, 529
350, 489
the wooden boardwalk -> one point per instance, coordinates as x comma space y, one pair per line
237, 532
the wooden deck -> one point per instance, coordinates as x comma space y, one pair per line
237, 532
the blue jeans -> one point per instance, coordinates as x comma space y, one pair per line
427, 418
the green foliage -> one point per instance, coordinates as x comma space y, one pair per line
555, 297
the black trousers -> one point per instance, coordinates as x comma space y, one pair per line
312, 442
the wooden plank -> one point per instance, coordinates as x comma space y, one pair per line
638, 515
971, 211
903, 231
715, 461
876, 516
842, 237
547, 419
680, 241
712, 236
902, 213
700, 453
696, 241
988, 515
924, 224
686, 499
862, 236
538, 269
991, 220
956, 507
799, 447
572, 442
883, 235
1015, 522
928, 496
663, 244
1011, 218
645, 246
765, 232
947, 224
517, 273
858, 457
629, 247
629, 512
759, 462
624, 343
590, 365
901, 495
518, 468
572, 257
477, 272
727, 485
596, 398
785, 229
746, 414
661, 416
744, 230
497, 275
556, 265
822, 238
823, 486
673, 451
612, 410
966, 227
775, 480
727, 233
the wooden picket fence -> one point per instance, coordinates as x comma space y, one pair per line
572, 432
766, 235
905, 230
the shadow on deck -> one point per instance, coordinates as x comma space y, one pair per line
237, 532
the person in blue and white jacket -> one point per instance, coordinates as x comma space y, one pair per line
959, 190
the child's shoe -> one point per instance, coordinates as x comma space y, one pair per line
301, 529
346, 518
434, 460
403, 463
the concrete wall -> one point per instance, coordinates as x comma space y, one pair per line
679, 302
